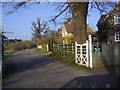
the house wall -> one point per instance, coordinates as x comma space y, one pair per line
113, 27
65, 35
111, 38
109, 56
69, 34
63, 32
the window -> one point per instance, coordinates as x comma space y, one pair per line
117, 36
117, 19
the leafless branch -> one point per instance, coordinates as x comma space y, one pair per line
55, 17
103, 6
99, 8
38, 27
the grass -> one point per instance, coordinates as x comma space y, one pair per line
9, 53
41, 50
68, 59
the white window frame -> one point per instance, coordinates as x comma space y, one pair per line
117, 36
116, 19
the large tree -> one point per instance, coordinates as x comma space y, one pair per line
79, 12
38, 27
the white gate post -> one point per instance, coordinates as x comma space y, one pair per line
47, 48
76, 52
87, 53
90, 50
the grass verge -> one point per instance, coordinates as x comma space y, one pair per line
68, 59
41, 50
9, 53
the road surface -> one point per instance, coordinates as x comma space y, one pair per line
35, 70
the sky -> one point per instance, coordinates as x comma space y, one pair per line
20, 22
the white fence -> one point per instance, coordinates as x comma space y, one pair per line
67, 48
83, 52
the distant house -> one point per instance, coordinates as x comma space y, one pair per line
68, 32
110, 24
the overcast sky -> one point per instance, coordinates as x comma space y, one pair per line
20, 22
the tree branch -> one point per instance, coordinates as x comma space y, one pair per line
55, 17
99, 8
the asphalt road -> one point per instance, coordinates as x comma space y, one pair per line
35, 70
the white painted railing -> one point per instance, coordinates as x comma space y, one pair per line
83, 52
68, 48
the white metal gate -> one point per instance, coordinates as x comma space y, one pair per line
83, 53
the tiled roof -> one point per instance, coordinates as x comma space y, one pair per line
68, 27
90, 31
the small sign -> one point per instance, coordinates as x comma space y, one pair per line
97, 49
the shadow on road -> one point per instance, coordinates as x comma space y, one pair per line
111, 80
25, 64
95, 81
31, 64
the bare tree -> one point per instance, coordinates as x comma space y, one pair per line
79, 11
38, 27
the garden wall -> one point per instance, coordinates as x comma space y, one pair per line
109, 56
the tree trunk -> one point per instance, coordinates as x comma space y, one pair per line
79, 13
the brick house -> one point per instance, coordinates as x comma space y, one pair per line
112, 22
